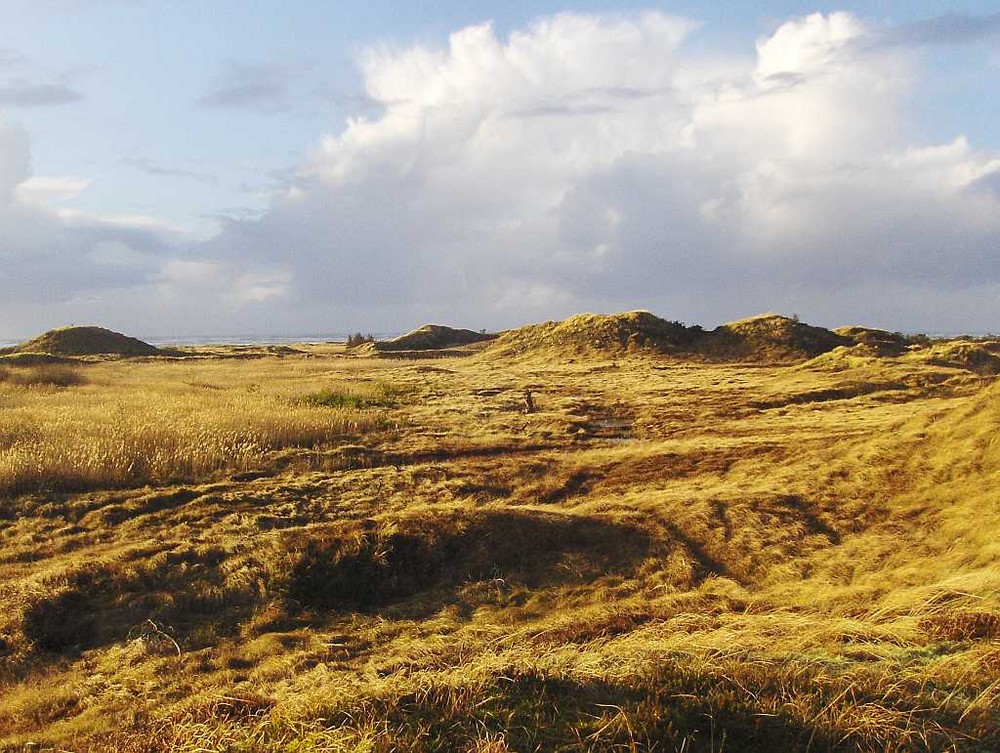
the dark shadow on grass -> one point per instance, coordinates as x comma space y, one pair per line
101, 604
670, 708
372, 565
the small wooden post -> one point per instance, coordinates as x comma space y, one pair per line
529, 402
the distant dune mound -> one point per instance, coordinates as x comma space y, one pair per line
431, 337
981, 357
771, 337
767, 338
87, 341
610, 334
978, 355
879, 341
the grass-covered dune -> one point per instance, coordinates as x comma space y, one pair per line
766, 338
764, 538
431, 337
85, 341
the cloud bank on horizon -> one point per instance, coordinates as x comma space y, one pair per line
581, 163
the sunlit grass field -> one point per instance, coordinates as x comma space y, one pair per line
317, 552
120, 424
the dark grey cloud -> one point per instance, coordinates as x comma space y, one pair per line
779, 82
351, 247
230, 214
353, 100
11, 59
624, 92
950, 28
21, 93
989, 183
254, 86
23, 84
15, 160
51, 261
47, 259
149, 167
548, 111
594, 100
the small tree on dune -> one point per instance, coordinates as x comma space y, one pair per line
358, 339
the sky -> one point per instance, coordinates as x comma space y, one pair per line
200, 167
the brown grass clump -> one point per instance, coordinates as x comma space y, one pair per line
43, 375
961, 625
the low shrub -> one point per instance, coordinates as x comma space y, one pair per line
358, 339
47, 375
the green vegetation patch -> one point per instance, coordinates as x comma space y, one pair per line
382, 397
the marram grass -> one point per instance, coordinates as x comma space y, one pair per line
68, 438
664, 556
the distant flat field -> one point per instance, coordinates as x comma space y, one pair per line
298, 549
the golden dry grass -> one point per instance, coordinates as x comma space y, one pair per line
664, 556
128, 424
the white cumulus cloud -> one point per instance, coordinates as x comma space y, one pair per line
594, 162
585, 163
48, 190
